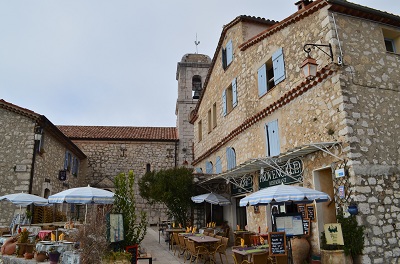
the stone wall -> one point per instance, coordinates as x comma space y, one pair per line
16, 148
106, 159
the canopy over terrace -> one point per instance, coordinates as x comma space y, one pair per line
240, 173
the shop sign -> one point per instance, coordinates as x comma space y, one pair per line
245, 186
273, 177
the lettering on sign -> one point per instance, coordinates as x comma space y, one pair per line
289, 172
306, 227
245, 185
310, 212
277, 243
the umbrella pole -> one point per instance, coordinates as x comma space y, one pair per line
211, 214
85, 212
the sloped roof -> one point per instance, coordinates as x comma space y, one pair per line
120, 133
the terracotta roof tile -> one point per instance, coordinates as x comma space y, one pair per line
120, 133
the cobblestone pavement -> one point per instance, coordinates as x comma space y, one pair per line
161, 253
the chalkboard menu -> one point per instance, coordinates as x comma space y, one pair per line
277, 243
301, 208
134, 251
306, 226
310, 212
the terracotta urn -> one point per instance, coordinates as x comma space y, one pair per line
40, 256
300, 250
28, 255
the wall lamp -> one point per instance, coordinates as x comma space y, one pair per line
38, 133
309, 65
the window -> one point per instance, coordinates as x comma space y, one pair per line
75, 166
200, 131
67, 161
230, 158
214, 115
218, 165
271, 73
209, 119
227, 55
148, 167
272, 138
229, 98
392, 40
196, 86
209, 167
199, 170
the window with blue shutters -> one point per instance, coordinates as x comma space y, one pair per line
229, 98
209, 167
227, 54
271, 73
218, 165
67, 161
230, 158
199, 170
75, 166
272, 138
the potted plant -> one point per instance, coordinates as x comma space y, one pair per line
353, 237
54, 255
119, 257
22, 242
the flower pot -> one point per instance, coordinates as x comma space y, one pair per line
40, 256
335, 257
21, 249
28, 255
300, 250
54, 257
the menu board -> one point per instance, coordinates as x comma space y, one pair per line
291, 224
306, 226
301, 208
310, 212
134, 251
277, 243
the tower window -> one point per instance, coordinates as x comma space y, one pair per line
196, 86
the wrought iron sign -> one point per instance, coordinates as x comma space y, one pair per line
287, 173
242, 185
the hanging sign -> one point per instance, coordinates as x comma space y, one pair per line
287, 173
62, 175
244, 185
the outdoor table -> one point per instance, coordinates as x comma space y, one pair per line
169, 234
13, 259
247, 252
59, 246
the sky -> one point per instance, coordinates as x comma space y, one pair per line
113, 62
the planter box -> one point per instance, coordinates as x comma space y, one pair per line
335, 257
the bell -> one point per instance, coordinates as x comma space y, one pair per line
196, 94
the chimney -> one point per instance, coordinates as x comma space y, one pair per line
302, 4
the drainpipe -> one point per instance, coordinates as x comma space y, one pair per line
35, 145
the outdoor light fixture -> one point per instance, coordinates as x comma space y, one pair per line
38, 133
309, 65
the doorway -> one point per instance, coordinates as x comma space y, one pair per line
241, 214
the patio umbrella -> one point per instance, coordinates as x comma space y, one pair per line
24, 199
83, 195
212, 198
284, 193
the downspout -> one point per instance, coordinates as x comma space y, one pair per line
35, 145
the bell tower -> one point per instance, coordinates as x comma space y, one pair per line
190, 74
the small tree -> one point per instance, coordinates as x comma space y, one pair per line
171, 187
135, 223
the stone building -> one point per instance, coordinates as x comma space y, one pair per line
274, 125
34, 154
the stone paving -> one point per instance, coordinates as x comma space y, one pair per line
161, 253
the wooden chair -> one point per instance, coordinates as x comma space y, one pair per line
235, 261
197, 251
175, 242
221, 250
262, 258
182, 247
205, 233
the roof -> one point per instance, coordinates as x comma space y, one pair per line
120, 133
19, 110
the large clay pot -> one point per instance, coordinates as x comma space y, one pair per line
335, 257
9, 248
300, 250
28, 255
40, 256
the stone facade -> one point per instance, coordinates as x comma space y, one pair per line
354, 103
26, 167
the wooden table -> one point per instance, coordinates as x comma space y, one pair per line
247, 252
203, 239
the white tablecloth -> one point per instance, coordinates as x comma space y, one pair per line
70, 257
59, 246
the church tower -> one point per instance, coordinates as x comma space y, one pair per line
190, 74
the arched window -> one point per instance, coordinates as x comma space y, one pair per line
46, 193
196, 86
230, 158
148, 167
209, 167
218, 165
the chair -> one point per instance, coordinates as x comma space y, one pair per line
235, 261
221, 250
211, 235
262, 258
197, 251
205, 233
175, 241
182, 247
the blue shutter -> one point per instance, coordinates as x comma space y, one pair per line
223, 56
224, 102
234, 93
262, 80
199, 170
273, 138
209, 167
218, 165
66, 160
229, 53
279, 66
230, 158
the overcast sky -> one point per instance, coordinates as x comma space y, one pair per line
113, 62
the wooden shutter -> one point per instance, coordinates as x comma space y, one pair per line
234, 93
218, 165
262, 80
66, 160
229, 53
272, 133
278, 65
224, 102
